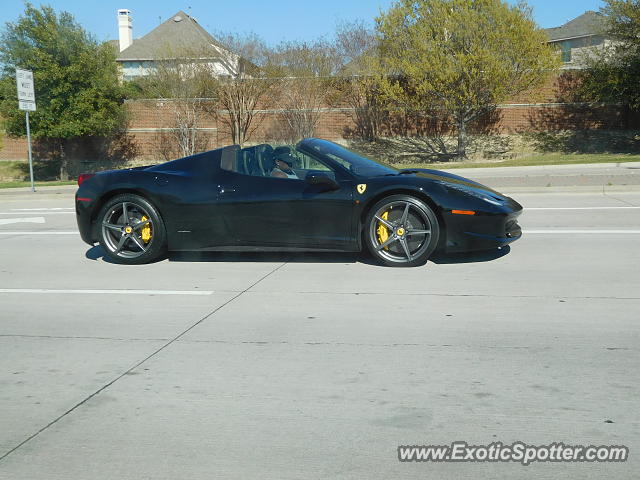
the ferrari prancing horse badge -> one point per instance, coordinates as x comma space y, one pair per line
361, 188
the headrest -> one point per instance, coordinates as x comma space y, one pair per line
228, 158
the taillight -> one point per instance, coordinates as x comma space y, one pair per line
83, 177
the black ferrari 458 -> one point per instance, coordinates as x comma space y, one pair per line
316, 196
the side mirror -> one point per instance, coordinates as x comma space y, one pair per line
323, 180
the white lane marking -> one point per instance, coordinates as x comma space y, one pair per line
8, 221
43, 208
554, 231
581, 208
38, 212
37, 232
106, 292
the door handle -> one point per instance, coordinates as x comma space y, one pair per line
224, 190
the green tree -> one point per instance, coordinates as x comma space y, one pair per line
623, 18
76, 80
613, 70
458, 59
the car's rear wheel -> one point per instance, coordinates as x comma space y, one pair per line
131, 230
401, 231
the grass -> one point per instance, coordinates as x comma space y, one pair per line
10, 170
15, 174
542, 159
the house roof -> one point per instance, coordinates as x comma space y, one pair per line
179, 33
587, 24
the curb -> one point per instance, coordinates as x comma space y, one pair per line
45, 189
596, 189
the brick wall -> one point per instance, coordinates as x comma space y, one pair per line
549, 108
13, 148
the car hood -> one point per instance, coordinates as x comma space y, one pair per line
445, 177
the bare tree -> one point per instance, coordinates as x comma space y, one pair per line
238, 101
304, 73
180, 81
301, 101
241, 94
367, 107
355, 41
359, 85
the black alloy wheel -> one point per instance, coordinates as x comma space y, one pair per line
401, 231
131, 230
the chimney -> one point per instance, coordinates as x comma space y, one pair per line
125, 29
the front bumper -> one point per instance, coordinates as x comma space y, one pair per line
484, 231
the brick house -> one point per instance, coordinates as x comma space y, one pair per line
181, 36
576, 37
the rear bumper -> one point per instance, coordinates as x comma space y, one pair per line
85, 229
84, 210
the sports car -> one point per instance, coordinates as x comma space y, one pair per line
314, 196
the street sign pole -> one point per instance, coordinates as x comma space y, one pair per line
33, 187
27, 102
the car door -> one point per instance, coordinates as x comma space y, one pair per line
290, 212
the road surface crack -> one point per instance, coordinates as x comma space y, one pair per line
141, 362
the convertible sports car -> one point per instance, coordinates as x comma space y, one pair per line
314, 196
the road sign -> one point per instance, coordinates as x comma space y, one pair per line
26, 94
27, 106
26, 102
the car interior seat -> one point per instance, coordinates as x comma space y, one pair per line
264, 154
253, 166
245, 161
229, 158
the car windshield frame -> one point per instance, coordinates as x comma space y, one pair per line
346, 159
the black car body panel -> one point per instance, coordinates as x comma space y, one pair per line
209, 202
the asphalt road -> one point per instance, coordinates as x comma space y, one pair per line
317, 366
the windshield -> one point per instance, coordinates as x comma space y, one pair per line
350, 160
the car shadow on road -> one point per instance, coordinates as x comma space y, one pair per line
470, 257
266, 257
97, 253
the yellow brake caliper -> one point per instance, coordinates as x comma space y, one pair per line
146, 230
382, 231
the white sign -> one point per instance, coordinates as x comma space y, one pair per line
26, 94
25, 105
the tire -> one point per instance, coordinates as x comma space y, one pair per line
131, 230
401, 231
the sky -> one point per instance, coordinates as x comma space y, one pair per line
273, 20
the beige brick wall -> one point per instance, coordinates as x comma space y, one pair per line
546, 109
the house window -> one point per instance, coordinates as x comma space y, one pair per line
565, 48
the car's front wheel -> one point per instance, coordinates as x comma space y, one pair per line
401, 231
131, 230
